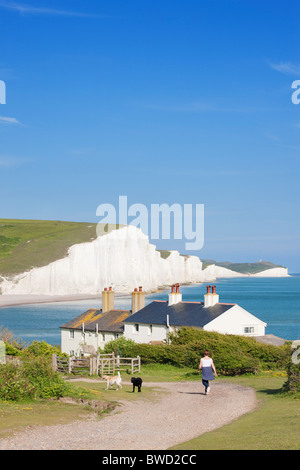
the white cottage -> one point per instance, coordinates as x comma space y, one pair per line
152, 323
156, 320
94, 328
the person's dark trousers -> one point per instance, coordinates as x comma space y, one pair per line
206, 384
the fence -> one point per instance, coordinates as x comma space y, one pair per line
102, 364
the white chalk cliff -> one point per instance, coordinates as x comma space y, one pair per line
123, 259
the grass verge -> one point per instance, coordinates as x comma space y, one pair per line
274, 425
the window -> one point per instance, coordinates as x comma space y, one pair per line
116, 335
72, 353
249, 329
103, 337
150, 330
71, 334
136, 327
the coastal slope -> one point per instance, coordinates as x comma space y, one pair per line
124, 259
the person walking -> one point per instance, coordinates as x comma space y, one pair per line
208, 370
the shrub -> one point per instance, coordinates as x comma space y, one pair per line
13, 384
292, 384
232, 354
31, 380
41, 348
11, 350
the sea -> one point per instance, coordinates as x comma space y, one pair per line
276, 301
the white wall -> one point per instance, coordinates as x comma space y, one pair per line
145, 333
69, 344
234, 321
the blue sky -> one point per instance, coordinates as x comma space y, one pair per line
162, 101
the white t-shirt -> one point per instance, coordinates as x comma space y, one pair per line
206, 362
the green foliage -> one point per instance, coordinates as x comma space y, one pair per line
121, 346
292, 385
244, 268
11, 350
41, 348
233, 355
31, 380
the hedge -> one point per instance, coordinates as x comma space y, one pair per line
232, 354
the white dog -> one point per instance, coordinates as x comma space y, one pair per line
110, 381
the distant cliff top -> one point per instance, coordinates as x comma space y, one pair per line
243, 268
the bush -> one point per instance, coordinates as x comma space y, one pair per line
292, 384
11, 350
232, 354
31, 380
41, 348
13, 384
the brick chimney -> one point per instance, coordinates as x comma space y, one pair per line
175, 296
111, 299
141, 298
108, 296
138, 299
134, 301
211, 298
104, 300
215, 296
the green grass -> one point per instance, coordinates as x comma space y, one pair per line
15, 416
25, 244
167, 373
274, 425
96, 391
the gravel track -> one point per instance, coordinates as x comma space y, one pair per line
182, 413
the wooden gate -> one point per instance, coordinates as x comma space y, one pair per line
102, 364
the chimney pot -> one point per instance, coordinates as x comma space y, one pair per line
140, 289
213, 289
208, 289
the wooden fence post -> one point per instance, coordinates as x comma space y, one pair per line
54, 362
93, 364
97, 363
70, 364
139, 363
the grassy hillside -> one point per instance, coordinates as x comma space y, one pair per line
25, 244
243, 268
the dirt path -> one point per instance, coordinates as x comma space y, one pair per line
180, 414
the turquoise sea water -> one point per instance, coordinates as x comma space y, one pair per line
274, 300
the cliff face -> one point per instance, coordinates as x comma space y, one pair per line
123, 259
